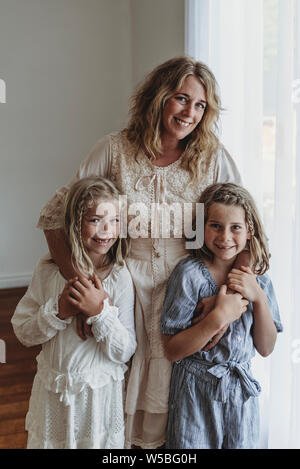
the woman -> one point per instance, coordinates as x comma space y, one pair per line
168, 153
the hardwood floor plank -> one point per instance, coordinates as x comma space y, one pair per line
15, 441
12, 426
16, 376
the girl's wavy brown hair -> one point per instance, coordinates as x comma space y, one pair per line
146, 113
83, 195
233, 194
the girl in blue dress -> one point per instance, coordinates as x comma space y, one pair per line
213, 400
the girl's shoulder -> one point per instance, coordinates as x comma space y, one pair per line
190, 267
46, 277
264, 281
46, 267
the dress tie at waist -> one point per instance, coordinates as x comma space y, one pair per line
66, 383
250, 386
223, 371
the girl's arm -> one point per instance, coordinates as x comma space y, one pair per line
228, 308
264, 330
35, 320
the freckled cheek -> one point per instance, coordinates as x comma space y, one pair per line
87, 232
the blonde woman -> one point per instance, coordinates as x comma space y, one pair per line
169, 153
77, 394
213, 395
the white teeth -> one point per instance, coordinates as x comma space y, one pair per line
184, 124
100, 241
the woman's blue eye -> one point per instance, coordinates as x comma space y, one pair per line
201, 105
182, 98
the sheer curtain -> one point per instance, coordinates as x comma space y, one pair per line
253, 48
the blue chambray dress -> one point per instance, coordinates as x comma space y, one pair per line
213, 395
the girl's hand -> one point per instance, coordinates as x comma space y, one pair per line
65, 307
244, 282
87, 297
230, 307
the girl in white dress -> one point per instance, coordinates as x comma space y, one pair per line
77, 393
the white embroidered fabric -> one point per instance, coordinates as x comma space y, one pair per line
71, 372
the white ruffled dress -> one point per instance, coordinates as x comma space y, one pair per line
150, 263
77, 394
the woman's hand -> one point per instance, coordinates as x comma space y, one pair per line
244, 282
84, 330
65, 307
86, 296
205, 306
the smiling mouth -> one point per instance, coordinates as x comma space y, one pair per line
102, 241
182, 123
224, 248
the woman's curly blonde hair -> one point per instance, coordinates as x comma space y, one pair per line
146, 113
83, 195
233, 194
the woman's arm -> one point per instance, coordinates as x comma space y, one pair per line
60, 252
228, 308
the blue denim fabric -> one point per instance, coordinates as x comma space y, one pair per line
213, 395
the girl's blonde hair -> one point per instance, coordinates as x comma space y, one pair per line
83, 195
232, 194
146, 114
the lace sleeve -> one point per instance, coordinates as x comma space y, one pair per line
96, 164
51, 216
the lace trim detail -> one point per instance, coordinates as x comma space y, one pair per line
95, 419
48, 320
137, 442
104, 321
51, 216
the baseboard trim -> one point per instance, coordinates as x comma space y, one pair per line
15, 281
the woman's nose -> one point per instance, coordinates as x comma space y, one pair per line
189, 110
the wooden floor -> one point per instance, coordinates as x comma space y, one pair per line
16, 376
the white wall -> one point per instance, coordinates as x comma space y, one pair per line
70, 67
157, 34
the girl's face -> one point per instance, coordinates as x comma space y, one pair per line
184, 110
100, 228
226, 232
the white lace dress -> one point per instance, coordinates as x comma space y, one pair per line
77, 395
150, 263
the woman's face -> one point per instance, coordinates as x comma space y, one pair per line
184, 110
